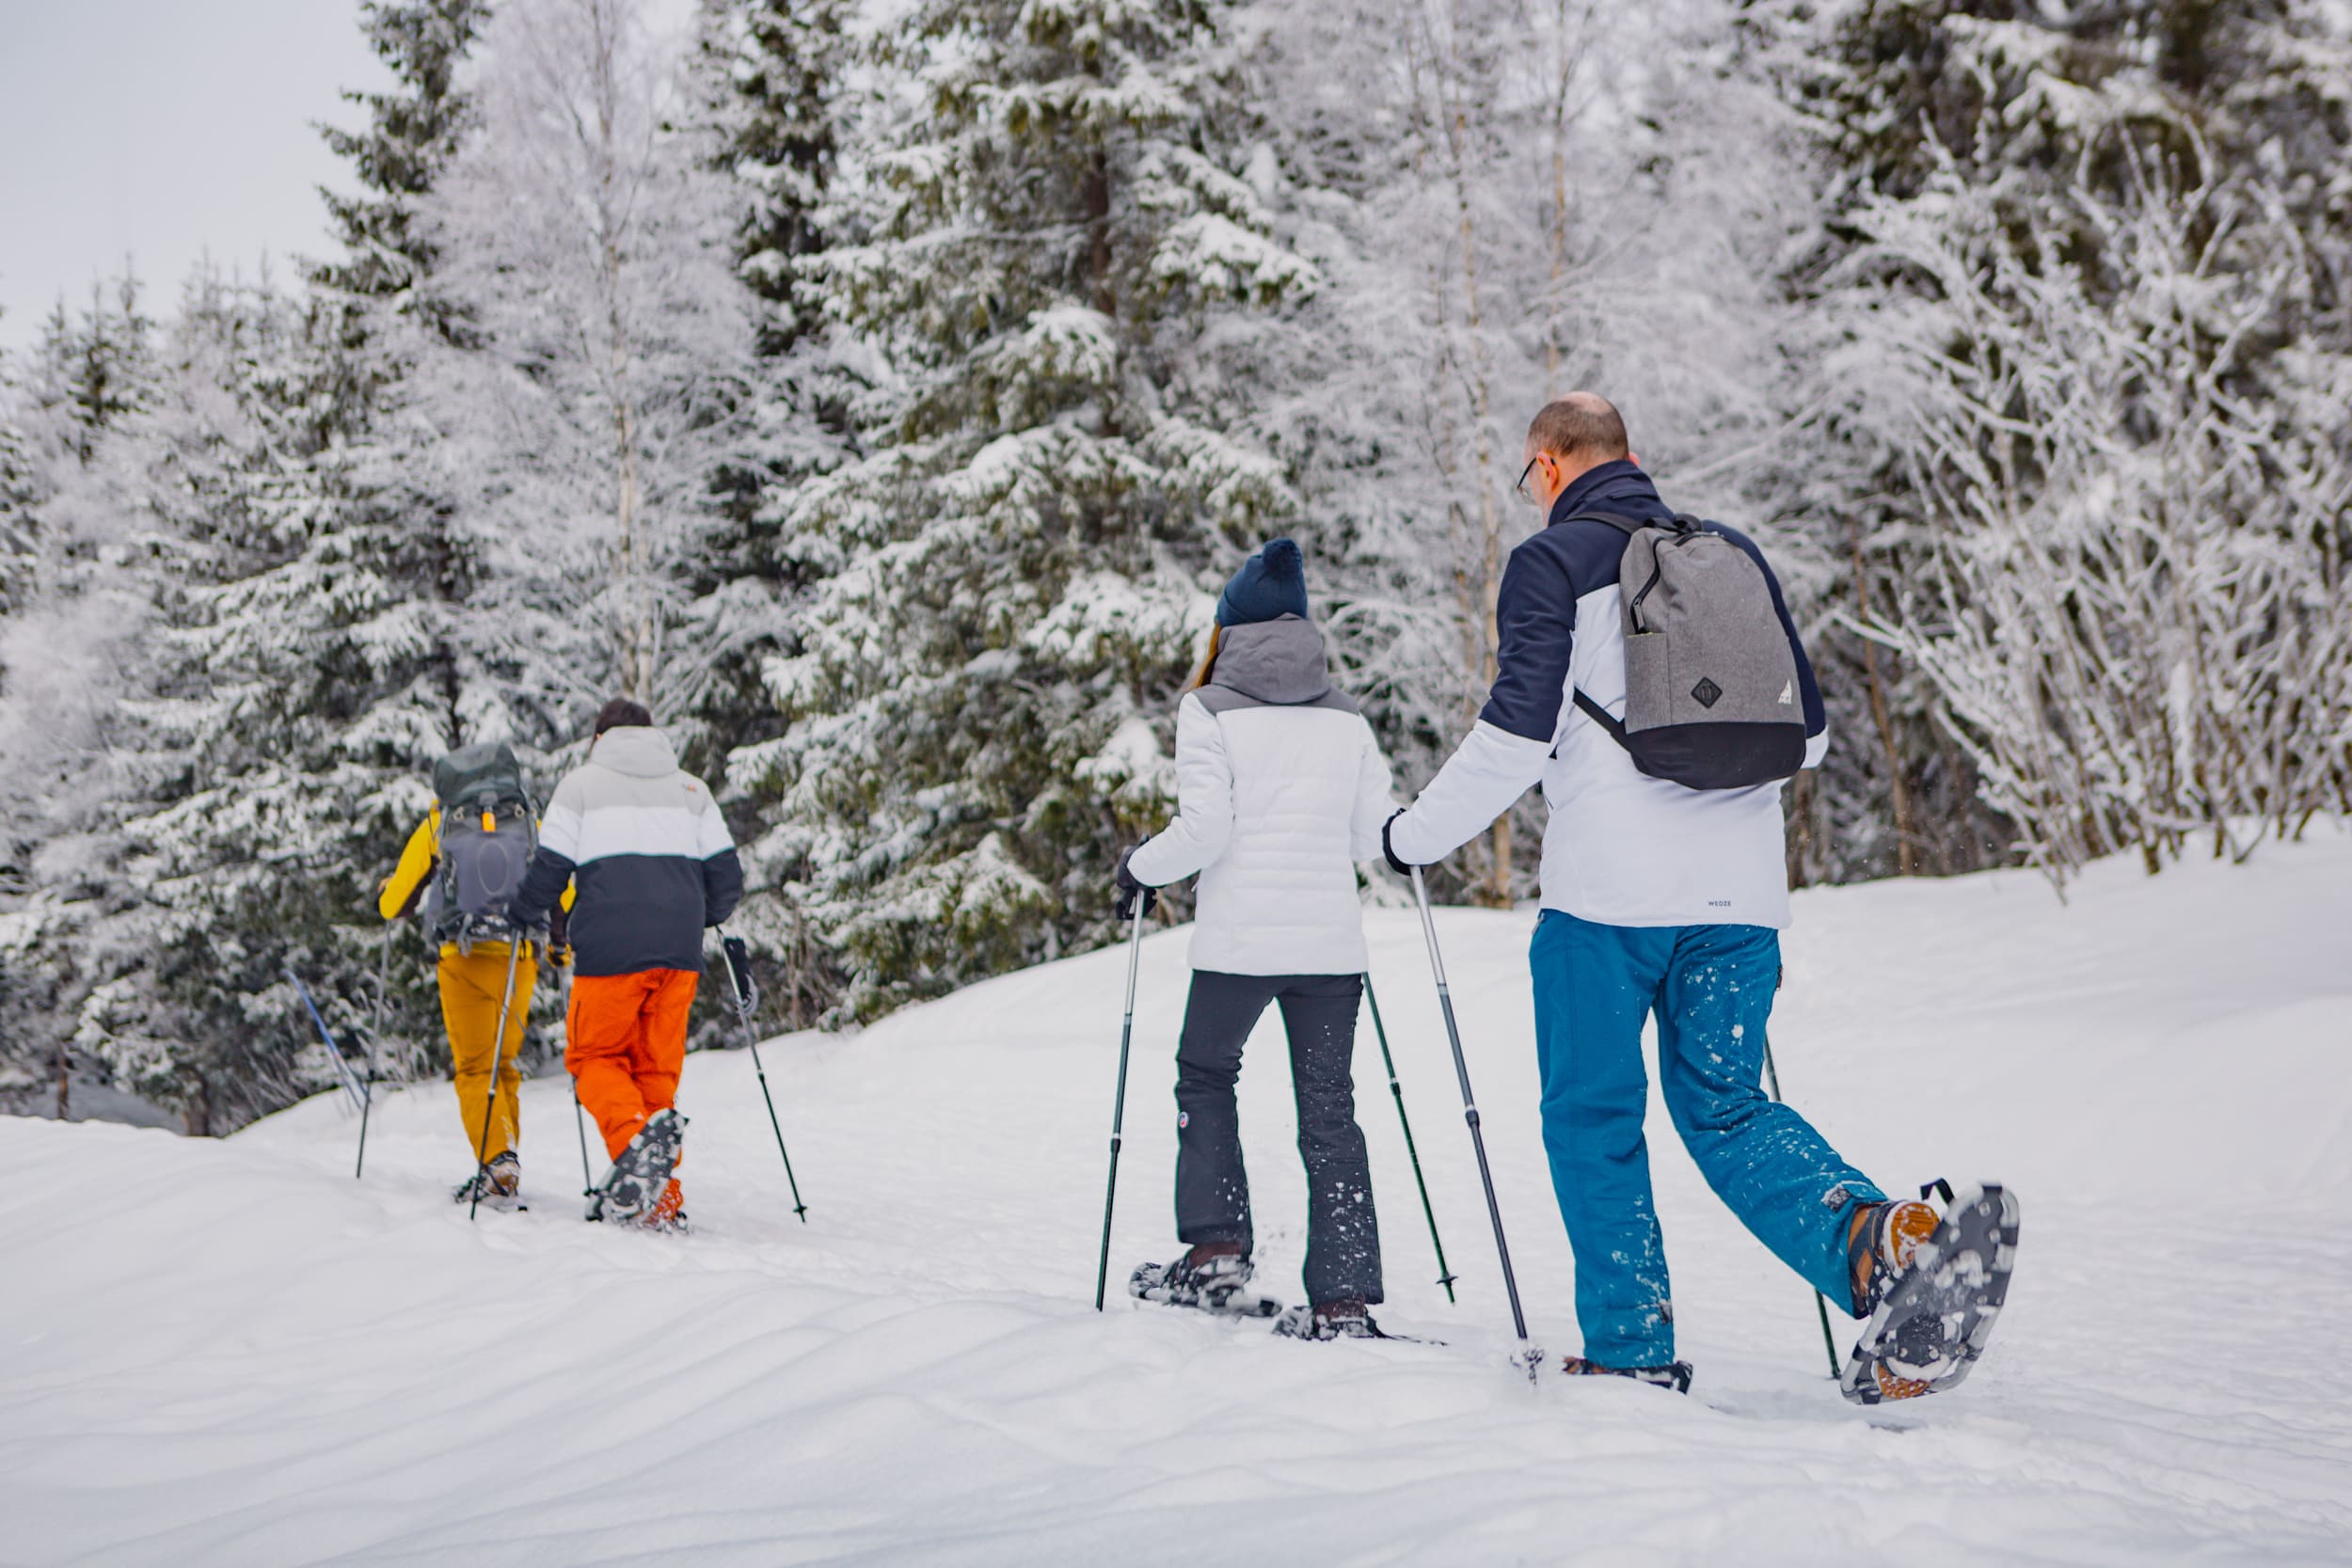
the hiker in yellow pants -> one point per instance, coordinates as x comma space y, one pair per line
472, 981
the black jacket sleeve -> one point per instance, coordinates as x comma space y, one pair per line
541, 889
723, 885
1535, 628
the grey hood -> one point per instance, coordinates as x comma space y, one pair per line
637, 750
1278, 662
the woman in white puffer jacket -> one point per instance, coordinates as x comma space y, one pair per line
1281, 788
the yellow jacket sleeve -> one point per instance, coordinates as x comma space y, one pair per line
400, 890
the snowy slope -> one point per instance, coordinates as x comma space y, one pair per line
232, 1354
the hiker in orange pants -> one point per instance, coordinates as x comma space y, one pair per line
653, 866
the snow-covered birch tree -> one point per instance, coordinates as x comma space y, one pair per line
587, 239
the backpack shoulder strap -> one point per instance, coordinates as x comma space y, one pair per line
1602, 716
1627, 525
1592, 710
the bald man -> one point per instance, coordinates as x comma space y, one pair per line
1656, 898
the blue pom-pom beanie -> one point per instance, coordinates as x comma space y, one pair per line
1270, 584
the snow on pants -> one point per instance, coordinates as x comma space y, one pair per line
472, 987
1711, 987
626, 1045
1212, 1189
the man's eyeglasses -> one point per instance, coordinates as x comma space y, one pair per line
1520, 490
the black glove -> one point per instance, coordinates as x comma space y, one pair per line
1388, 851
738, 955
1129, 888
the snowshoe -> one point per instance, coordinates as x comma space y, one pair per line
1352, 1321
639, 1178
1674, 1374
499, 1184
1218, 1283
1933, 1318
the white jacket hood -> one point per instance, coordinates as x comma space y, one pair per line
637, 749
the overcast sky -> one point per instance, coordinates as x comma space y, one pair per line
162, 129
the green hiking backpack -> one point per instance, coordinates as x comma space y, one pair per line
489, 828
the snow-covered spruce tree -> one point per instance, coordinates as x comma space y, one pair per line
2096, 266
70, 643
165, 889
976, 715
606, 374
769, 89
365, 629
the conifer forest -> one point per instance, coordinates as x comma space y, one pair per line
880, 393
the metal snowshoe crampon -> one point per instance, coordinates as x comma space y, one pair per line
639, 1178
1218, 1283
1933, 1318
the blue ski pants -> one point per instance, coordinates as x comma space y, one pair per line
1711, 988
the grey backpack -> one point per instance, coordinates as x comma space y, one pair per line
1710, 684
488, 830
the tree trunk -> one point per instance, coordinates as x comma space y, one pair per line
1905, 855
1488, 584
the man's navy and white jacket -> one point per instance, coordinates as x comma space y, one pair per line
650, 853
1621, 848
1281, 788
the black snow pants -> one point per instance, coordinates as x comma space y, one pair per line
1212, 1189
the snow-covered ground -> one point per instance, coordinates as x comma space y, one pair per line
231, 1352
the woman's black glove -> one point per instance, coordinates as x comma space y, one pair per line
1388, 849
1129, 888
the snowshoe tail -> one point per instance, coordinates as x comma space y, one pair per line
1218, 1287
637, 1178
1936, 1318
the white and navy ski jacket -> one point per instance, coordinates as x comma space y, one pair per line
648, 850
1281, 787
1621, 848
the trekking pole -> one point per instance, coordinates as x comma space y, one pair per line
739, 960
361, 1095
580, 1120
1119, 1104
579, 1117
1820, 1303
1445, 1276
498, 1046
382, 973
1529, 1355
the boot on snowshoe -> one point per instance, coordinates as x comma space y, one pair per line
1932, 1318
497, 1183
1212, 1280
1881, 1239
1674, 1374
668, 1214
1328, 1320
639, 1178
